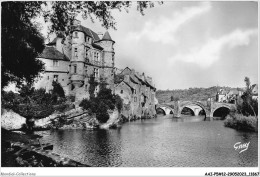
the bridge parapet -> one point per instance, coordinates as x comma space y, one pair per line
208, 106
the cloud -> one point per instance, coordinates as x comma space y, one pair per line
163, 29
209, 53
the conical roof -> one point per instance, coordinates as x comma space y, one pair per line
107, 37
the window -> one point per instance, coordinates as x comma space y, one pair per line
121, 91
76, 52
86, 71
86, 50
55, 63
48, 77
134, 91
88, 40
95, 72
75, 34
74, 69
135, 99
55, 78
95, 56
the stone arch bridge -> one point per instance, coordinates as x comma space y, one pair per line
209, 107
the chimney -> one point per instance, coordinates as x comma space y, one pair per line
143, 76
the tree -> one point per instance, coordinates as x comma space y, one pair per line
57, 91
22, 41
175, 98
103, 102
249, 106
64, 12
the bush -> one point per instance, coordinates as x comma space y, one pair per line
118, 102
240, 122
32, 103
99, 105
57, 89
85, 104
102, 114
9, 100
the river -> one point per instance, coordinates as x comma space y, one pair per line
160, 142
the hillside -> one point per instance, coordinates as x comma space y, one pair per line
198, 94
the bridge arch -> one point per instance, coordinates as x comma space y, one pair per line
222, 105
167, 109
188, 103
188, 109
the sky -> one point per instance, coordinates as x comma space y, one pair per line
188, 44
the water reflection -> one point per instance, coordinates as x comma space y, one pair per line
188, 119
163, 141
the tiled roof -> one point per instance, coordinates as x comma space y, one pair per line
147, 83
129, 85
97, 46
107, 37
126, 84
125, 70
140, 79
52, 53
87, 31
118, 78
133, 80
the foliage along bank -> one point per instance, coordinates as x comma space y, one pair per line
247, 112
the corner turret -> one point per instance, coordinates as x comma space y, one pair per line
107, 37
108, 60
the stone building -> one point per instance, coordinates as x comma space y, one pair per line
73, 60
230, 96
137, 92
83, 54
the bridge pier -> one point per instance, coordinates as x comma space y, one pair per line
208, 119
196, 111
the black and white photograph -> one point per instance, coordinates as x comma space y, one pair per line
128, 85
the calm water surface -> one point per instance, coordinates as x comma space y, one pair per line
163, 142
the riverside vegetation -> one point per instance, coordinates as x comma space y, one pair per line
36, 105
51, 111
247, 117
104, 101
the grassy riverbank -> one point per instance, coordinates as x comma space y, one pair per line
241, 122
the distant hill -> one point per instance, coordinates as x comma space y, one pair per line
198, 94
